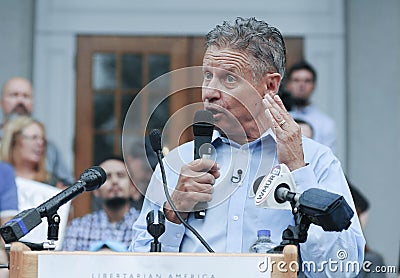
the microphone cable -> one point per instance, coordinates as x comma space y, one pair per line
155, 140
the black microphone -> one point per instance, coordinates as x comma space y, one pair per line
283, 194
328, 210
203, 127
91, 179
155, 141
323, 208
315, 206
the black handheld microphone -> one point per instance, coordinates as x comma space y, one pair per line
203, 127
155, 141
26, 220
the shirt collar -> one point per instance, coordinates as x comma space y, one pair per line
216, 138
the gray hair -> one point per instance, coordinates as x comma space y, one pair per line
264, 44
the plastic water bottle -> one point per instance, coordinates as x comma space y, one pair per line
263, 244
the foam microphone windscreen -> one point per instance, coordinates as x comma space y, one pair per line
155, 140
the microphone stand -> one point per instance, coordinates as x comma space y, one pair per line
298, 233
53, 225
156, 227
155, 246
294, 235
53, 221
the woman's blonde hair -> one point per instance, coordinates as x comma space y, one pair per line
12, 130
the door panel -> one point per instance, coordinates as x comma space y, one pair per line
111, 71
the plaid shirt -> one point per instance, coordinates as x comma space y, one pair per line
84, 231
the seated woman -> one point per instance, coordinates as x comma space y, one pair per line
24, 146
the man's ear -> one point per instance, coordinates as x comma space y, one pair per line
272, 82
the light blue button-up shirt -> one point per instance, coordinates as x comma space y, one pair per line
232, 219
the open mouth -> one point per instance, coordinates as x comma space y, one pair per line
213, 110
217, 114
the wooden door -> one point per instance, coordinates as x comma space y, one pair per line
111, 71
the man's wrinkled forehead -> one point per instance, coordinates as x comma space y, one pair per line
226, 59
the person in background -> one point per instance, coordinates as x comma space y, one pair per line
17, 100
140, 163
8, 206
8, 193
243, 66
362, 209
24, 147
306, 128
114, 221
300, 83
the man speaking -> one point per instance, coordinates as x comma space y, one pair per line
242, 69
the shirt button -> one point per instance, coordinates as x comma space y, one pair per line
178, 235
236, 218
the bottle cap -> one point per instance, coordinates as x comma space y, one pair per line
263, 233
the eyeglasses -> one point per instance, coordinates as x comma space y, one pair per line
34, 138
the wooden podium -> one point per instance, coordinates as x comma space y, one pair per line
25, 263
